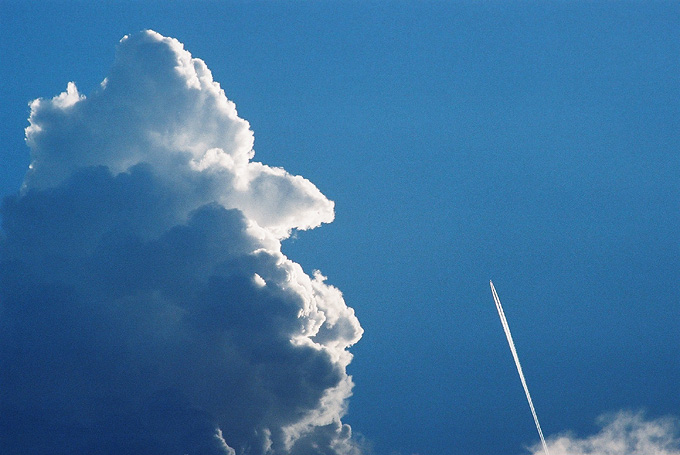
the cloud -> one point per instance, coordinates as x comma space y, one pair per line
161, 106
145, 304
623, 433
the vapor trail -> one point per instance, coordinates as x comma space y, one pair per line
508, 335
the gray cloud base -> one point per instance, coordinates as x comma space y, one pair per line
145, 304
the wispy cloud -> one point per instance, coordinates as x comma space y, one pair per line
623, 433
145, 304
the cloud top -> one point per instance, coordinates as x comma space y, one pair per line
160, 106
145, 304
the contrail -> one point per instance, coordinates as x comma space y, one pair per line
508, 335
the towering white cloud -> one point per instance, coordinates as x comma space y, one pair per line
623, 433
160, 106
145, 304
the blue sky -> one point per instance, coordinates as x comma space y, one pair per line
532, 144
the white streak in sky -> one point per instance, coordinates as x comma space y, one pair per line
508, 335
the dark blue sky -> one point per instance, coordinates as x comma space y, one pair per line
533, 144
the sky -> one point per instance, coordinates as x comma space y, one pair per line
158, 291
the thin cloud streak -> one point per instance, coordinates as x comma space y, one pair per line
511, 343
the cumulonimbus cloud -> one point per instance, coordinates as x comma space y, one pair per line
622, 433
145, 304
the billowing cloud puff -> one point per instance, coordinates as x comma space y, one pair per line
623, 433
145, 304
160, 106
